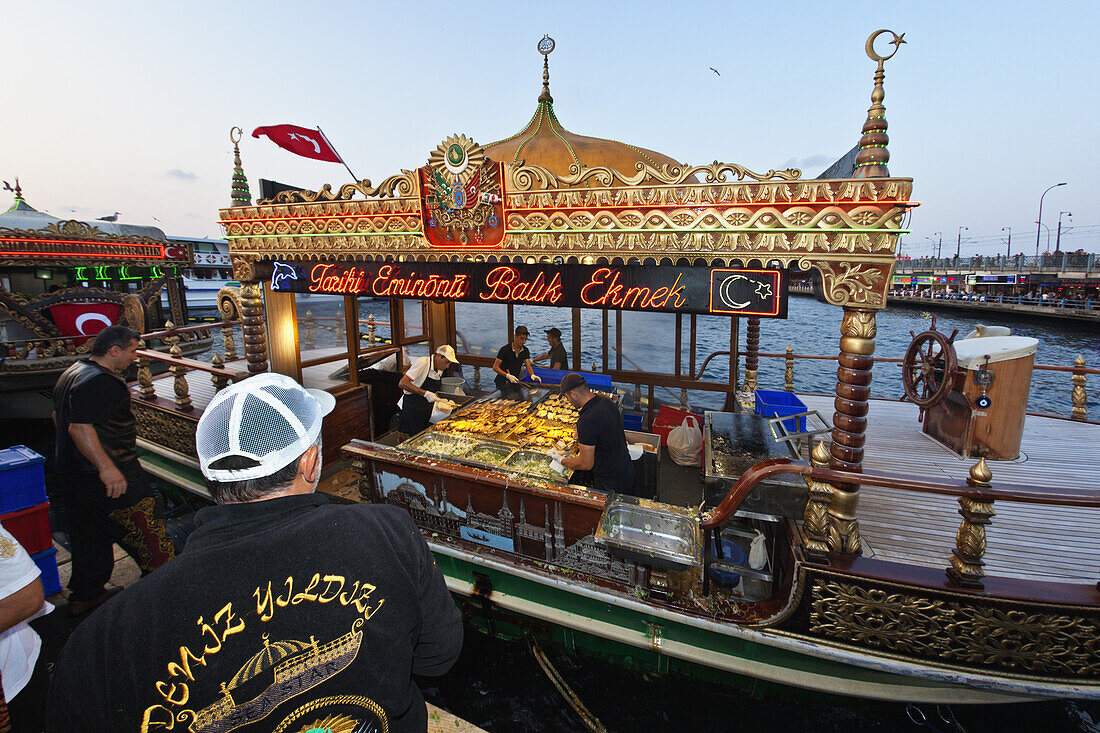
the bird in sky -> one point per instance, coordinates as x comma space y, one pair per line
112, 217
714, 70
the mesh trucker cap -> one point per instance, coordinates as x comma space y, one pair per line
269, 418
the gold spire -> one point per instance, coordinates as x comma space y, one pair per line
238, 191
546, 47
873, 155
980, 475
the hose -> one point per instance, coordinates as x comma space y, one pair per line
590, 720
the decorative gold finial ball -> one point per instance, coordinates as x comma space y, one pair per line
980, 473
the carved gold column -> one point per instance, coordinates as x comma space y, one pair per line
815, 521
145, 375
1080, 399
752, 351
254, 333
788, 370
179, 384
966, 560
853, 389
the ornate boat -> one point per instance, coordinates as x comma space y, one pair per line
868, 586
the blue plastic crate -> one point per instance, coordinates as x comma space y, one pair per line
632, 420
47, 564
553, 376
734, 555
778, 404
22, 480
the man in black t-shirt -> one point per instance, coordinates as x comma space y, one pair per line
107, 495
600, 438
557, 355
511, 360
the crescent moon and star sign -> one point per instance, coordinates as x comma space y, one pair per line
874, 55
744, 291
85, 318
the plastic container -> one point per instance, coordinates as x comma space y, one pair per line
22, 480
734, 555
632, 420
452, 385
31, 527
668, 418
777, 404
553, 376
47, 564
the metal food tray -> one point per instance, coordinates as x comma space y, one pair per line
415, 445
527, 453
651, 533
749, 435
503, 449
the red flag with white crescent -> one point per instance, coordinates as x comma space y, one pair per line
300, 141
84, 319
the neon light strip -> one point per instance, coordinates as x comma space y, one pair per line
898, 232
94, 255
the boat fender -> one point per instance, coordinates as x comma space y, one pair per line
758, 552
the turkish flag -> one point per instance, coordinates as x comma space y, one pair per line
83, 319
300, 141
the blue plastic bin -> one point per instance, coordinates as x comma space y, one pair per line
632, 420
553, 376
778, 404
22, 481
47, 564
734, 555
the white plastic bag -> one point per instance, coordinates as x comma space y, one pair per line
685, 443
758, 553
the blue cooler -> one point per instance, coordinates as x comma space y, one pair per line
22, 479
779, 404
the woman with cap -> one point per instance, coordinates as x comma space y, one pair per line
512, 359
559, 359
419, 386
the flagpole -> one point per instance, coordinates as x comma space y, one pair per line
354, 178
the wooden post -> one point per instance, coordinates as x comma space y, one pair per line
1078, 395
788, 371
853, 390
253, 329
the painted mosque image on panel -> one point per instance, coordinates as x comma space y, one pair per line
504, 531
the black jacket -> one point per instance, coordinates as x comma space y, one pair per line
281, 612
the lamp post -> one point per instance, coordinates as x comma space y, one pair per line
937, 248
1009, 230
958, 245
1040, 220
1058, 239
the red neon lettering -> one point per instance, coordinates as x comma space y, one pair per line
388, 284
323, 280
505, 284
604, 289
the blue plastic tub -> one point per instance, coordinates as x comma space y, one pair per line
553, 376
22, 481
778, 404
47, 564
632, 421
734, 555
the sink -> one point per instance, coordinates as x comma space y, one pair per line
650, 533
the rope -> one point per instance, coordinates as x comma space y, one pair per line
591, 721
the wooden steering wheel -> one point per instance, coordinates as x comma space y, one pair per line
928, 369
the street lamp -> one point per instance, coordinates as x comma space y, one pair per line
1058, 239
958, 245
1040, 220
936, 248
1009, 230
1044, 226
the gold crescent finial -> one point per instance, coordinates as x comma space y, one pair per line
896, 43
235, 135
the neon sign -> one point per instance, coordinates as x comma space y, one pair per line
664, 289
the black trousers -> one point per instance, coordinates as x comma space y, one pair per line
27, 712
96, 522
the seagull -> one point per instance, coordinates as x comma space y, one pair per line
714, 70
112, 217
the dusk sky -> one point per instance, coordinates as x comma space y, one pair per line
127, 106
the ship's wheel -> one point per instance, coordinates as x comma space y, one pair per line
928, 369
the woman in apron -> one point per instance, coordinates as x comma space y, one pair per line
419, 386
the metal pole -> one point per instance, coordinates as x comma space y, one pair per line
1040, 220
354, 178
1009, 252
1058, 239
958, 245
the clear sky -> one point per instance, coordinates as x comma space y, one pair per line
126, 106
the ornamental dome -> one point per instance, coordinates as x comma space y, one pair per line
546, 143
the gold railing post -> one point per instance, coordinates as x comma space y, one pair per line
752, 351
145, 375
371, 330
815, 524
788, 370
182, 389
1080, 399
966, 559
220, 380
637, 396
308, 337
477, 376
229, 345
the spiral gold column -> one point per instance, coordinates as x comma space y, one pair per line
853, 390
252, 327
752, 351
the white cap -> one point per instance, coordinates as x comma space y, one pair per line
447, 351
269, 418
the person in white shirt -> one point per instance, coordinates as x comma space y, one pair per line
419, 386
22, 668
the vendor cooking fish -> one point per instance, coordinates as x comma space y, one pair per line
511, 360
419, 386
601, 441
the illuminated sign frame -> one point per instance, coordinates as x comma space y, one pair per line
760, 293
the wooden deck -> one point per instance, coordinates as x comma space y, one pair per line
1024, 540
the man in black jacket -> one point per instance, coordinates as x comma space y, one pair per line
283, 613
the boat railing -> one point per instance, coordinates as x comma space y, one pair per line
309, 324
1048, 262
59, 346
1037, 301
976, 497
179, 366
